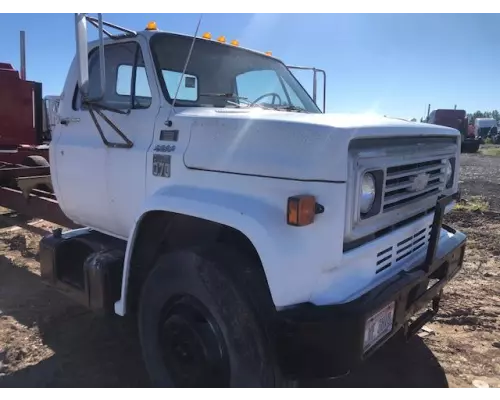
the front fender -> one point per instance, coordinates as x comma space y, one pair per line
281, 248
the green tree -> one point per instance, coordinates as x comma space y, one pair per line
483, 114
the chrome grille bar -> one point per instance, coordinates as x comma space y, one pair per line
408, 182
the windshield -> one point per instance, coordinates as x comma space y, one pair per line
220, 75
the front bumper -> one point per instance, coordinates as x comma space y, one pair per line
325, 341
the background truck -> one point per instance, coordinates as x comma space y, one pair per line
26, 117
456, 119
26, 122
256, 239
485, 127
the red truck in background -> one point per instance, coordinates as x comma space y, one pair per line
26, 121
25, 118
457, 119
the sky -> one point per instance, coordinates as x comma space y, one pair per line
389, 64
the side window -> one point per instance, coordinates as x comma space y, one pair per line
120, 60
188, 90
261, 84
124, 81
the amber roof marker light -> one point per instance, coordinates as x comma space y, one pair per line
151, 26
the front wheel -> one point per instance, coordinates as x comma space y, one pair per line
198, 329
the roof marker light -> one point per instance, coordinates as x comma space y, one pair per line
151, 26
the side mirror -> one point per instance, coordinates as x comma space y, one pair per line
83, 58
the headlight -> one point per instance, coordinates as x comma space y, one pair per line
448, 173
367, 194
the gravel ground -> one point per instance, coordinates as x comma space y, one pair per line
46, 340
480, 176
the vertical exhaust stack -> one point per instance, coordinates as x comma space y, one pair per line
23, 54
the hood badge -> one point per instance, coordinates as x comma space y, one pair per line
419, 182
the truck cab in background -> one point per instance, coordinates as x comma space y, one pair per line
256, 239
26, 117
486, 128
50, 114
456, 119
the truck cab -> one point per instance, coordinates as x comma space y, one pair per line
485, 127
256, 239
456, 119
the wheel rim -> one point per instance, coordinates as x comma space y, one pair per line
192, 346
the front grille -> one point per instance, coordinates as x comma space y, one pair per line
393, 254
409, 182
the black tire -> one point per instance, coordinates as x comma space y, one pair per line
232, 332
35, 161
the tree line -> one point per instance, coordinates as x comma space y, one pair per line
483, 114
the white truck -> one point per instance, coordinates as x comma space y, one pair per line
485, 127
257, 240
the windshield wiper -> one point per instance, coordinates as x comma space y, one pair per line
290, 108
233, 96
224, 95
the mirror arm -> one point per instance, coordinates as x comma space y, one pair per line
128, 143
127, 32
97, 105
134, 77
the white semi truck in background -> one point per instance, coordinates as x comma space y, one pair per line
485, 127
256, 239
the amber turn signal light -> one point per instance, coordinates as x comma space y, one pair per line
301, 210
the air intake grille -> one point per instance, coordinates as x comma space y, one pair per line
406, 183
393, 254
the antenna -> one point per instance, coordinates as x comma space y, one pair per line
168, 122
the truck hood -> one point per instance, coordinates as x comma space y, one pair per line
287, 145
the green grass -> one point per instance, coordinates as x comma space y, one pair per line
490, 151
474, 203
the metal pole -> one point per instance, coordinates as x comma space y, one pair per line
324, 91
23, 55
315, 85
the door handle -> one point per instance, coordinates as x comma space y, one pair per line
67, 121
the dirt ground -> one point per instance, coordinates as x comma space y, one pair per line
46, 340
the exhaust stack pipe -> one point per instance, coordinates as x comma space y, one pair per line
23, 55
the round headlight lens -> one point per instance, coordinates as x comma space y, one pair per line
367, 195
448, 172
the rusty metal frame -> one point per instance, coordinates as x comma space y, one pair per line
38, 205
28, 183
20, 191
19, 171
